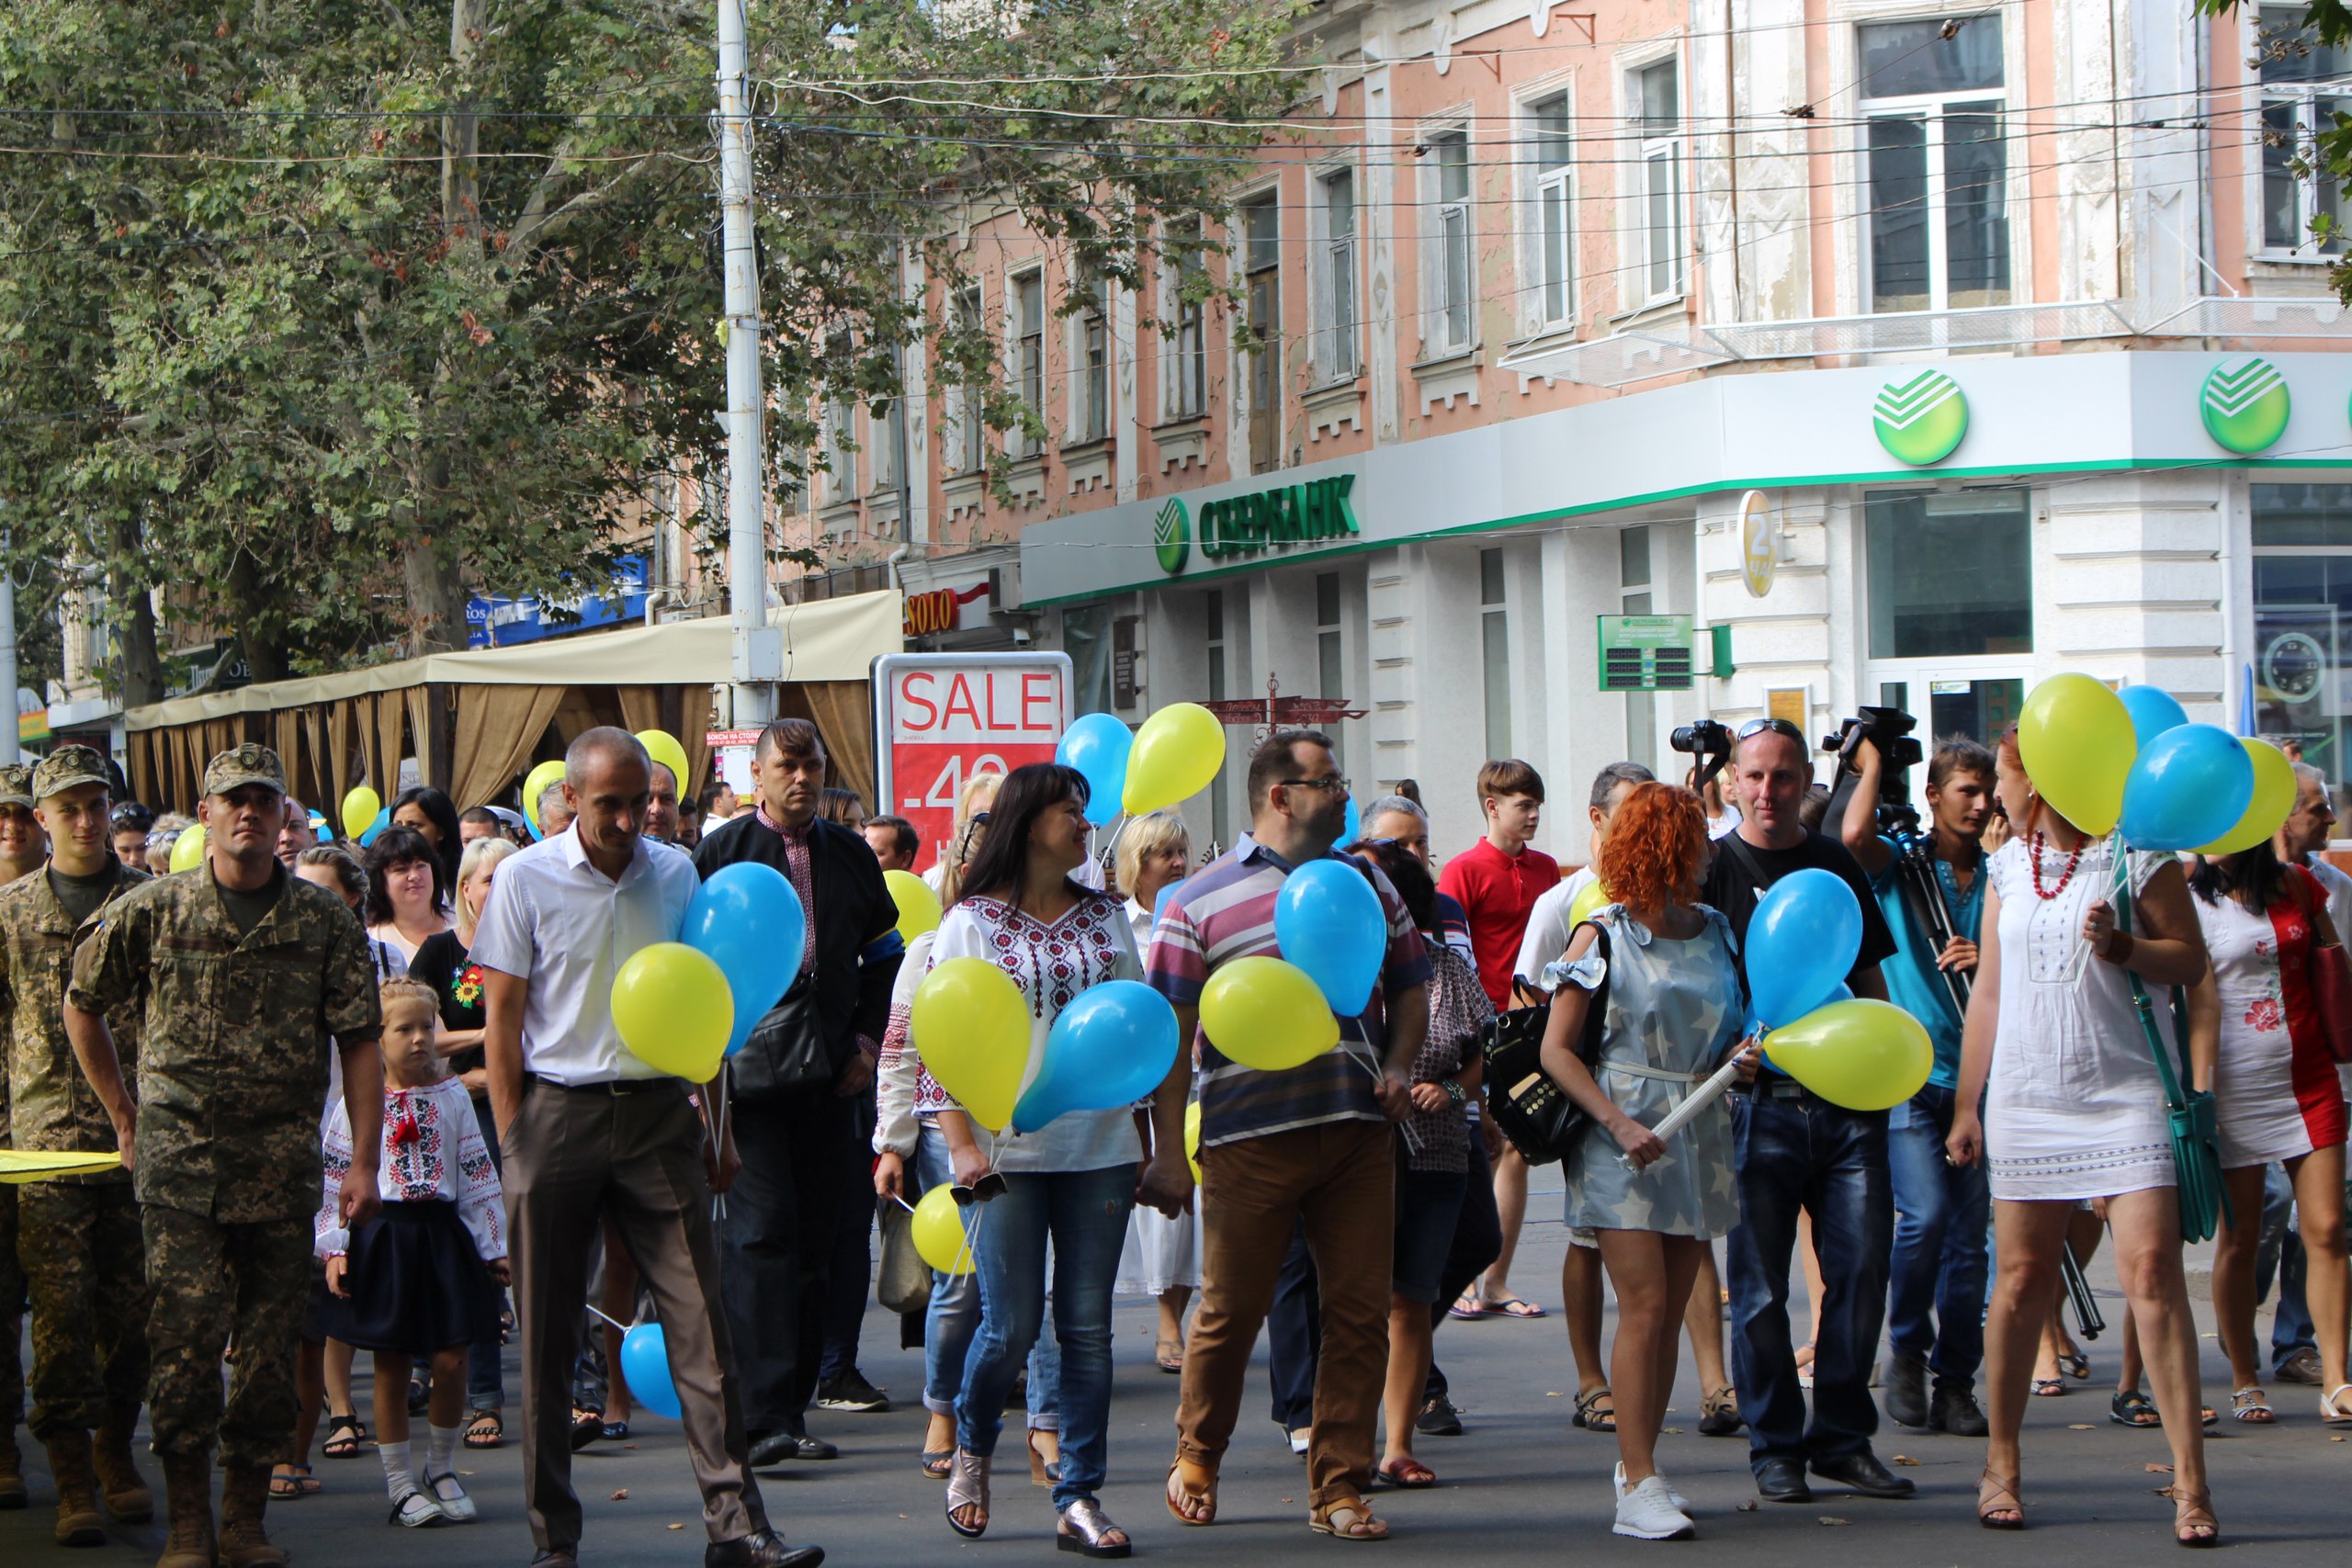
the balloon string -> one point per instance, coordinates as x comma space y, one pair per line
1405, 1127
624, 1327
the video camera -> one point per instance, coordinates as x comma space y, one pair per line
1707, 743
1899, 751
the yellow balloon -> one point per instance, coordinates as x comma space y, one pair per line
674, 1011
664, 748
1594, 899
1864, 1055
937, 1227
2076, 739
1176, 753
2274, 796
187, 850
536, 785
918, 904
972, 1030
1266, 1014
359, 808
1192, 1140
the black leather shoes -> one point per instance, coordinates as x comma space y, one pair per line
1957, 1412
1782, 1481
785, 1446
1864, 1473
763, 1550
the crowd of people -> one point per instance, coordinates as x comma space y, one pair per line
371, 1098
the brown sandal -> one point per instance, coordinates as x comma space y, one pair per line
1192, 1487
1999, 1495
2193, 1511
1349, 1518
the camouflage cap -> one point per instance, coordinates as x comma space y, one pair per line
66, 767
16, 786
252, 763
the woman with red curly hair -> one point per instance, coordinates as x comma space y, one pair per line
1658, 965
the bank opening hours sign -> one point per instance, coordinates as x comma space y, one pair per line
941, 717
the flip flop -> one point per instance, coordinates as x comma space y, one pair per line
1513, 1307
1468, 1306
1181, 1493
1408, 1474
297, 1482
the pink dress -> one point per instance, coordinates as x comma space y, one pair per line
2275, 1085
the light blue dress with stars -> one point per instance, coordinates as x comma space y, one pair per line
1672, 1015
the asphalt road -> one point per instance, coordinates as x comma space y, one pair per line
1521, 1484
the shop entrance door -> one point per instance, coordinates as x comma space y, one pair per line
1949, 703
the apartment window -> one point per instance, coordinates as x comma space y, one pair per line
967, 452
1262, 351
1550, 262
1335, 305
1029, 347
1950, 573
1094, 420
1330, 659
1213, 634
1086, 637
2303, 88
1938, 168
1657, 116
1185, 393
1494, 631
1455, 283
887, 423
1634, 583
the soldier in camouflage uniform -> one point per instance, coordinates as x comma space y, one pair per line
15, 800
79, 1237
242, 978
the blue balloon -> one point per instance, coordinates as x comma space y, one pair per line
384, 820
1329, 923
1097, 746
2153, 711
645, 1362
750, 921
1108, 1049
1159, 904
1353, 826
2187, 787
1802, 942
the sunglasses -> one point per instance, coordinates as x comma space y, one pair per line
1776, 726
988, 1187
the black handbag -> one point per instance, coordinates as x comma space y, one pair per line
787, 1050
1535, 1114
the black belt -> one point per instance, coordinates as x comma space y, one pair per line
1768, 1086
608, 1086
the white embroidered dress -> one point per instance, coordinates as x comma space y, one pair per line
433, 1152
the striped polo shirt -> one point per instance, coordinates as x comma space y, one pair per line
1225, 911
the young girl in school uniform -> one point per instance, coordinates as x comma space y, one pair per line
416, 1282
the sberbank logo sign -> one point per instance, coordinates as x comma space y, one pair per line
1172, 535
1261, 520
1920, 421
2245, 405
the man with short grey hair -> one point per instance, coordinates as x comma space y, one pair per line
555, 811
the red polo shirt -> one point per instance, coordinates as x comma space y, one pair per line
1497, 891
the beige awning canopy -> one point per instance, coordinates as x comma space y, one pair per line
475, 721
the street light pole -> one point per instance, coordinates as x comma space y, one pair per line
759, 647
9, 749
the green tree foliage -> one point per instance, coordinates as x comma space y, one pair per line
315, 314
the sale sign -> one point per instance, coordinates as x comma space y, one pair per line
941, 717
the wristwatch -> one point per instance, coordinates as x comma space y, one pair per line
1453, 1090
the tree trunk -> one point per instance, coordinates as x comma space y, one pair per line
436, 600
265, 654
142, 665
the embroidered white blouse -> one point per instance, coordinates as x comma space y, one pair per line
433, 1152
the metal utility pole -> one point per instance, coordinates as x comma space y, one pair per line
759, 647
9, 749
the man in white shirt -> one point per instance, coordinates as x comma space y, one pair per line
592, 1133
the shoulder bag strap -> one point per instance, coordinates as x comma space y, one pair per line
2174, 1098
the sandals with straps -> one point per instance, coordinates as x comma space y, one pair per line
2252, 1406
1591, 1418
2193, 1523
345, 1434
486, 1430
967, 1487
2131, 1408
2335, 1406
1086, 1529
1192, 1493
1999, 1495
1349, 1518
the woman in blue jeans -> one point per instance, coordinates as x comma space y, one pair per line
1073, 1181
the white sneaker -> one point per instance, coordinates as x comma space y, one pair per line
416, 1511
1647, 1512
450, 1497
1298, 1441
1673, 1495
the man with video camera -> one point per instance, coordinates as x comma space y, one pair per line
1931, 886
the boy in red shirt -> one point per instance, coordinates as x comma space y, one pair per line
1497, 881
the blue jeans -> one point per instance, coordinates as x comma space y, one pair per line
1939, 1261
1084, 1212
955, 1314
2279, 1252
1795, 1153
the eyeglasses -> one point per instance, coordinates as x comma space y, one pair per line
137, 817
990, 1186
1777, 726
1334, 784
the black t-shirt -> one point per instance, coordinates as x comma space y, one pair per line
1732, 887
441, 963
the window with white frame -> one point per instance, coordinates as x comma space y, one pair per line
1450, 282
1654, 94
1027, 371
1334, 280
965, 435
2305, 84
1550, 261
1261, 337
1185, 384
1090, 362
1937, 186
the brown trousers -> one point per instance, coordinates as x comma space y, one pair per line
1340, 1178
574, 1157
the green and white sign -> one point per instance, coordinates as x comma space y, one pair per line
2245, 405
1645, 653
1172, 535
1920, 421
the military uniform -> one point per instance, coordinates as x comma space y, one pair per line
16, 789
235, 1030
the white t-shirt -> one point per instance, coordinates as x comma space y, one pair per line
1548, 929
